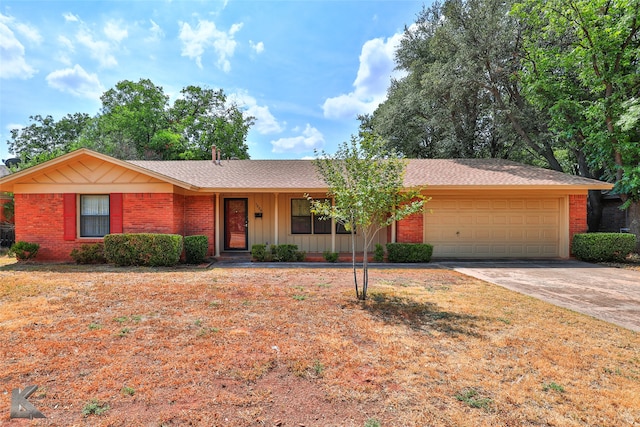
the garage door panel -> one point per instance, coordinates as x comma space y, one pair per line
476, 228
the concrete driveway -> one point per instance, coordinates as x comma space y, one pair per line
610, 294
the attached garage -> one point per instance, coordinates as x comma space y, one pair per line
494, 227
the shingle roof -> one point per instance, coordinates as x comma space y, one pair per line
301, 174
239, 174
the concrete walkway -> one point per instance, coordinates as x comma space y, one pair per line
610, 294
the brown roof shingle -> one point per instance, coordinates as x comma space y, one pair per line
301, 174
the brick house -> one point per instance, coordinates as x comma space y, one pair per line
479, 208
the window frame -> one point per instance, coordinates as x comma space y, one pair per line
99, 217
314, 221
298, 221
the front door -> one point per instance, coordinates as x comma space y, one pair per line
235, 225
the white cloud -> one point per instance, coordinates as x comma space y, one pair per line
155, 32
310, 139
195, 41
70, 17
66, 43
12, 53
265, 122
114, 31
77, 82
257, 47
31, 33
371, 83
67, 47
99, 50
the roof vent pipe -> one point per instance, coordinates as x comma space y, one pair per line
213, 154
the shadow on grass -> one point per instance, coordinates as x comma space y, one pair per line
67, 267
421, 316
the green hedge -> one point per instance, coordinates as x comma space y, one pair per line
89, 254
277, 253
195, 248
598, 247
143, 249
330, 256
409, 252
24, 251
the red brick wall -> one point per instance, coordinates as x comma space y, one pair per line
149, 213
410, 229
199, 218
577, 215
39, 220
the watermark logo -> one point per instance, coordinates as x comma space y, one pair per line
20, 406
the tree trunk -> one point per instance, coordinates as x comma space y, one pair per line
353, 261
594, 210
634, 222
365, 271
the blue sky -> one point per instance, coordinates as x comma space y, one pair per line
303, 69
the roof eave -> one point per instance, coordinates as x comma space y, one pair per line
550, 187
274, 190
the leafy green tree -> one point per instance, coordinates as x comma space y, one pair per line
46, 138
205, 118
136, 121
459, 97
366, 184
131, 115
581, 65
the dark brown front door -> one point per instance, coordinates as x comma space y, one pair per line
235, 225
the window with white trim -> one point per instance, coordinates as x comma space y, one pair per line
94, 215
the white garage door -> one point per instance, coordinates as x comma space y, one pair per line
493, 228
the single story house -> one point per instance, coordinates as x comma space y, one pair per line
479, 208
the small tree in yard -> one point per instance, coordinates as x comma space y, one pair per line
366, 183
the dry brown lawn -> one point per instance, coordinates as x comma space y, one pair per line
292, 347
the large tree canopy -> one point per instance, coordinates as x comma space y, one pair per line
137, 121
459, 97
580, 64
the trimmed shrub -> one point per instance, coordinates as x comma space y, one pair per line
600, 247
260, 253
409, 252
147, 249
195, 248
287, 253
378, 253
277, 253
89, 254
330, 256
24, 251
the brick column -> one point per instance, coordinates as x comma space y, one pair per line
577, 215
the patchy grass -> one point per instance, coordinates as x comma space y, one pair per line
243, 348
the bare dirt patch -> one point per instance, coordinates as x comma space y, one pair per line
253, 347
